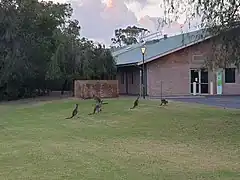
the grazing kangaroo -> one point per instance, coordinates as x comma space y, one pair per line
74, 113
164, 102
135, 104
97, 108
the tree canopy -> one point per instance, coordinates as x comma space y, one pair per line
129, 35
220, 18
40, 45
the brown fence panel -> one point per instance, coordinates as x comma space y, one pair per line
102, 88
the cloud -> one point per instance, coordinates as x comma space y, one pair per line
98, 21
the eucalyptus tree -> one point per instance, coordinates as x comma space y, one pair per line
40, 42
221, 18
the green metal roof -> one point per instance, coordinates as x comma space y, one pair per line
159, 47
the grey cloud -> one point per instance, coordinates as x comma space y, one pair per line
97, 22
141, 2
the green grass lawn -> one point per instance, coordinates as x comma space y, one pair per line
179, 141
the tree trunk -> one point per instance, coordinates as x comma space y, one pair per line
64, 86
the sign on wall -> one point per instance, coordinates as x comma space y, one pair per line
219, 81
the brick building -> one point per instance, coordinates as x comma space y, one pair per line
173, 64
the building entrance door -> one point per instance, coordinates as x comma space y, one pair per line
200, 76
204, 81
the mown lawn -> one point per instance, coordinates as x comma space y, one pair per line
179, 141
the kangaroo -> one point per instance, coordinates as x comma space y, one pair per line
74, 113
164, 102
97, 108
135, 104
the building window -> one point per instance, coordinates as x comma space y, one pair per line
132, 78
122, 78
230, 75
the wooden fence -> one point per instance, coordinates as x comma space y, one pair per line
102, 88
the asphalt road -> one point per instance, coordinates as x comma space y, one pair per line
223, 101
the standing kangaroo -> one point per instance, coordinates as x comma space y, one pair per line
135, 104
74, 113
97, 108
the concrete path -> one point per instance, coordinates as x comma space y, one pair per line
218, 101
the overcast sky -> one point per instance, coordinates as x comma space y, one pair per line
99, 18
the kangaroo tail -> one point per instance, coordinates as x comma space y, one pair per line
69, 117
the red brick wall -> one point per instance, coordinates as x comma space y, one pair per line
232, 88
101, 88
173, 71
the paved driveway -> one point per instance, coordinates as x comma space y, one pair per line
223, 101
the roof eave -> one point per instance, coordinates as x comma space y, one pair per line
128, 64
172, 51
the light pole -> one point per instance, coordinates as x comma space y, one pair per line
143, 49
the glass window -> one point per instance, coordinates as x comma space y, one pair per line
230, 75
